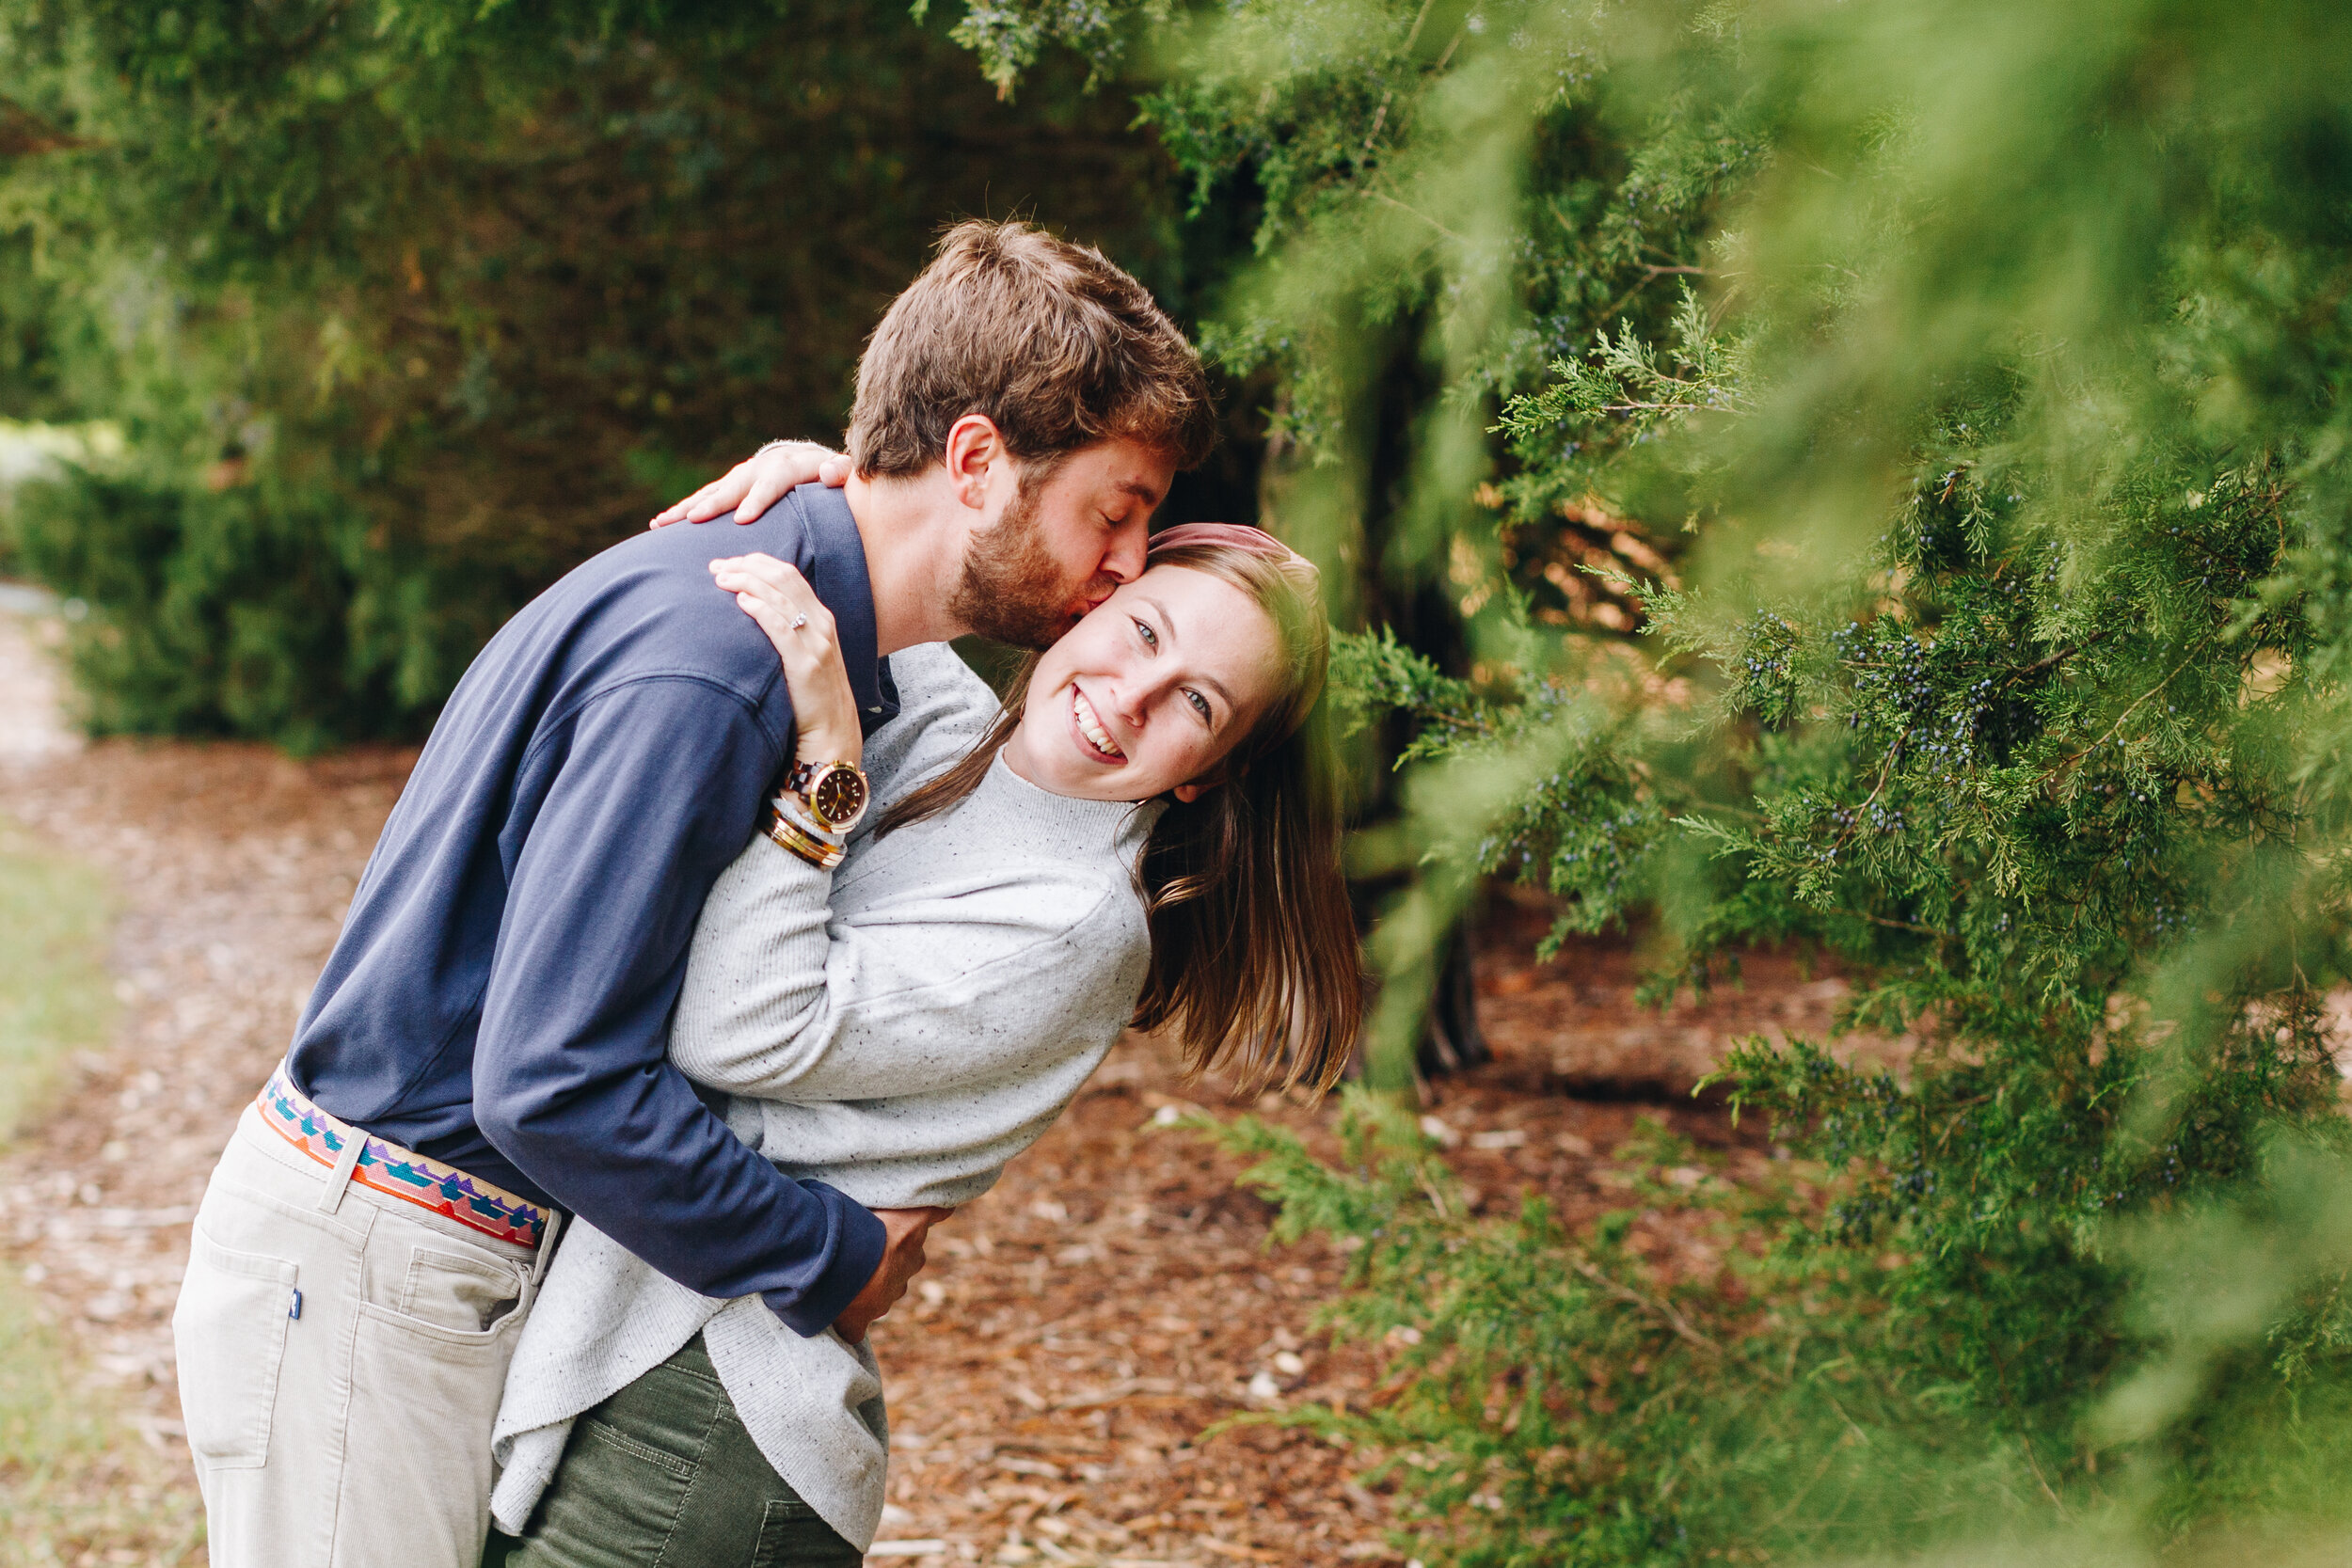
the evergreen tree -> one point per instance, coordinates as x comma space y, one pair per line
1951, 398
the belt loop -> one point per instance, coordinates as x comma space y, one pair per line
547, 1246
346, 1160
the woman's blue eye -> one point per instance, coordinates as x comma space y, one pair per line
1201, 704
1150, 638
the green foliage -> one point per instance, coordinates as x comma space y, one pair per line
1440, 188
403, 310
1981, 492
246, 610
1555, 1397
1548, 1399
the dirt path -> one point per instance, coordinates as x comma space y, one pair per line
1081, 1325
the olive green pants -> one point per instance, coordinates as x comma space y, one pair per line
663, 1474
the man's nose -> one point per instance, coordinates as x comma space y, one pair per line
1123, 557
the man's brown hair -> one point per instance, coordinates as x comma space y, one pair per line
1049, 339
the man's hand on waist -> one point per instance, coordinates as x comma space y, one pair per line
902, 1259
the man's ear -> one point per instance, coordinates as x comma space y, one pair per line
974, 445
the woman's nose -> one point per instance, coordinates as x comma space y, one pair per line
1134, 698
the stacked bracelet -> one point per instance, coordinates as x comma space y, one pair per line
780, 822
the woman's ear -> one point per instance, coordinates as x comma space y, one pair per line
1188, 793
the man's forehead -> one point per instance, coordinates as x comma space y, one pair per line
1125, 467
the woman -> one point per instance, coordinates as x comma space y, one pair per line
1137, 837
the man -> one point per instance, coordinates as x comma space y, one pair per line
484, 1051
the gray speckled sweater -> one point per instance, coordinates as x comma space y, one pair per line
900, 1028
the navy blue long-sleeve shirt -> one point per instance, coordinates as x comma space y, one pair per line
501, 995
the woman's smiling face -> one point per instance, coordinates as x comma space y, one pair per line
1149, 691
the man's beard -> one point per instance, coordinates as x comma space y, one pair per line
1011, 590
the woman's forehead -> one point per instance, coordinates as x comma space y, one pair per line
1211, 599
1180, 577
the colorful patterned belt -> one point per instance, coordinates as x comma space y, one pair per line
387, 1169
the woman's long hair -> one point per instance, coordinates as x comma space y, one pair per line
1254, 957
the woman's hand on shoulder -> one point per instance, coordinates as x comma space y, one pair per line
753, 485
824, 709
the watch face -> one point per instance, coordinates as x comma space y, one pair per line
838, 797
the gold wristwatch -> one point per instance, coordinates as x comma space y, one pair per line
837, 792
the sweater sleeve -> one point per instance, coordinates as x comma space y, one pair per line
931, 991
572, 1081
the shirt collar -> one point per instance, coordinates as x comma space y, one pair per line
837, 573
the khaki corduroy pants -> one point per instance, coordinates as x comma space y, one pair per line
341, 1359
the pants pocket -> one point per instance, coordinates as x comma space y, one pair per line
615, 1503
792, 1536
425, 1398
466, 1294
230, 1332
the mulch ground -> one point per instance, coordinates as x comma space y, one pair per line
1079, 1327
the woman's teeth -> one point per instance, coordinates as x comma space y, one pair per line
1090, 726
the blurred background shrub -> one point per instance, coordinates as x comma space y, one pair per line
400, 311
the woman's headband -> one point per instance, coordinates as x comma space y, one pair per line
1240, 536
